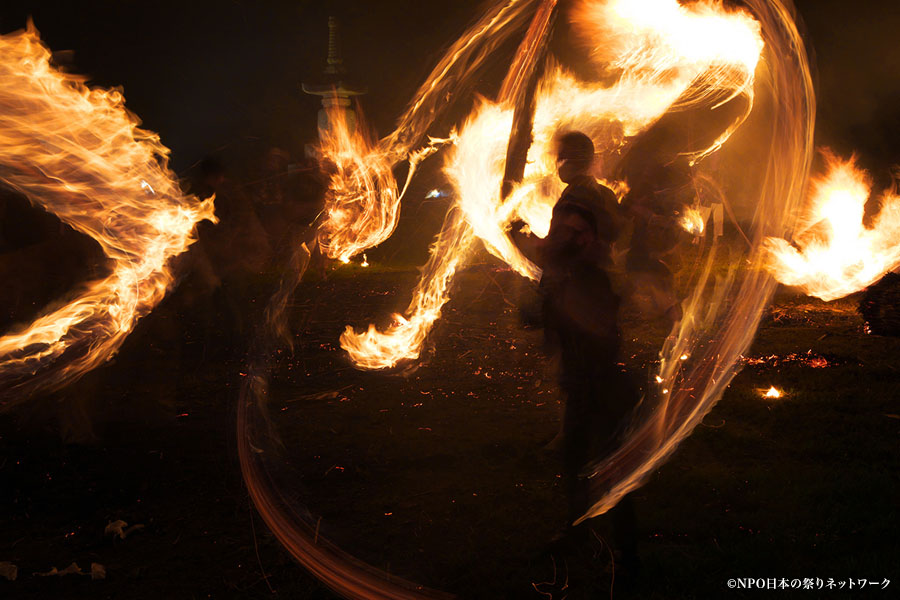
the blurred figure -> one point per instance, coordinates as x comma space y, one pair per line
236, 251
580, 312
657, 196
272, 197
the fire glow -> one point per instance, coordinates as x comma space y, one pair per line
692, 221
834, 253
78, 153
671, 57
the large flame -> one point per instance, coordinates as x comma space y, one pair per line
835, 254
79, 154
362, 204
668, 56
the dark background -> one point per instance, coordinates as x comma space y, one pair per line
213, 75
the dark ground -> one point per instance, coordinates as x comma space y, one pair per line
438, 475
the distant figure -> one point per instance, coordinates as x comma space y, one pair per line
231, 257
580, 311
654, 202
272, 197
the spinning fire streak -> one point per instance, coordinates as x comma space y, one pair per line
78, 153
653, 57
668, 57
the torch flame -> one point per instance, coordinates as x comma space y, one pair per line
79, 154
836, 254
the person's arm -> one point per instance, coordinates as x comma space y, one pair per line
528, 244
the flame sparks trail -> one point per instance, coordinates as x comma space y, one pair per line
836, 254
296, 529
79, 154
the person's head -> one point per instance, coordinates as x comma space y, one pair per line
574, 155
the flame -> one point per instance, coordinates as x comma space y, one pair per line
835, 254
79, 154
773, 392
683, 56
362, 204
692, 221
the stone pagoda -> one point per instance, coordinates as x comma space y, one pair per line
334, 90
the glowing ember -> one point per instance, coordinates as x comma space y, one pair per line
773, 392
807, 359
834, 253
78, 153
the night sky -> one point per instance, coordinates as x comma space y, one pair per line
213, 75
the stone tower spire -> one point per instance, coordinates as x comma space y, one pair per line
333, 89
334, 62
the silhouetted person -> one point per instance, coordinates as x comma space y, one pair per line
580, 311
